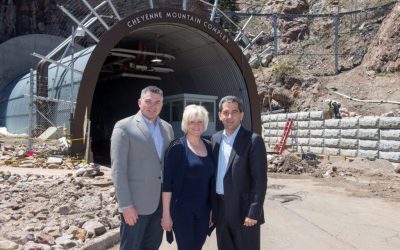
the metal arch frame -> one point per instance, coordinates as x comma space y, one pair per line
121, 30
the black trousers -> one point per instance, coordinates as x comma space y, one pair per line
190, 225
235, 238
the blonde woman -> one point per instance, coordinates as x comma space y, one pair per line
188, 177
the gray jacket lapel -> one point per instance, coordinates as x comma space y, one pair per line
141, 124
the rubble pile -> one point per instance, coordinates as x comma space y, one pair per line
57, 212
62, 203
290, 164
49, 154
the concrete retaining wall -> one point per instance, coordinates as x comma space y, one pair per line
368, 137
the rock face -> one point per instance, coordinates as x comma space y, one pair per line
384, 52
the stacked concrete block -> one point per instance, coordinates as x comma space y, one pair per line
389, 143
281, 117
332, 137
292, 116
368, 134
389, 122
390, 156
369, 122
393, 134
369, 137
315, 133
332, 123
348, 147
303, 116
349, 123
316, 124
349, 133
316, 115
332, 133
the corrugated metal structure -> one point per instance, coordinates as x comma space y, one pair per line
14, 106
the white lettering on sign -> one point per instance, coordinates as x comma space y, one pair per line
144, 18
181, 16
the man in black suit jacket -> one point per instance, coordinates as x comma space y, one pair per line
241, 180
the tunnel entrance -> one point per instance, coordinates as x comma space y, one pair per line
176, 50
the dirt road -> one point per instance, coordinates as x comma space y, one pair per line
304, 214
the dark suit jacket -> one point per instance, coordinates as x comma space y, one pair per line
245, 181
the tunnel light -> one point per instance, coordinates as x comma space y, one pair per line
131, 51
140, 76
156, 60
150, 69
122, 55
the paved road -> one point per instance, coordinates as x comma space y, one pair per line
304, 215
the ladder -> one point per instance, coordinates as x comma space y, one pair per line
282, 144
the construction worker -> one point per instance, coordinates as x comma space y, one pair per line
334, 107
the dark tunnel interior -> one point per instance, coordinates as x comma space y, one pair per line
192, 62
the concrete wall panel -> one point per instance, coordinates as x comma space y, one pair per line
316, 115
371, 134
316, 132
368, 154
331, 151
391, 156
332, 123
393, 134
292, 116
272, 139
349, 133
316, 150
316, 141
281, 125
264, 118
389, 122
349, 143
303, 133
334, 143
389, 145
369, 122
349, 123
265, 125
368, 144
303, 124
281, 117
348, 152
316, 124
303, 141
303, 116
332, 133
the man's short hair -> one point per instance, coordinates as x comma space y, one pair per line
231, 99
152, 89
194, 112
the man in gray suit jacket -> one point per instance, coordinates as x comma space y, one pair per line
138, 144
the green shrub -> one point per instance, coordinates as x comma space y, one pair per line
283, 69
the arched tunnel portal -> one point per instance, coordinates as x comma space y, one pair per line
197, 57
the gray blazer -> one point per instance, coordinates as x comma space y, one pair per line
136, 167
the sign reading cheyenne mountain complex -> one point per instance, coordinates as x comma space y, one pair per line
178, 15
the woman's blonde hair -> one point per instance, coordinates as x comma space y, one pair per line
194, 112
